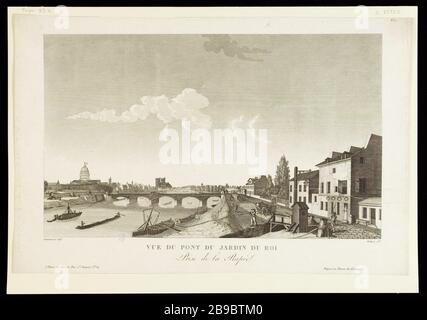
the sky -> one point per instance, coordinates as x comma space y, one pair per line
108, 97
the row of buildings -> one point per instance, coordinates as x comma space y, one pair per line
346, 185
85, 185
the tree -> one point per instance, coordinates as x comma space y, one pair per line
270, 186
282, 178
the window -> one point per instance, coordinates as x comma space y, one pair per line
290, 199
305, 187
315, 198
364, 213
362, 160
299, 188
290, 188
321, 205
299, 199
309, 198
305, 199
326, 206
342, 186
361, 185
338, 208
329, 187
322, 189
334, 170
380, 215
336, 189
372, 213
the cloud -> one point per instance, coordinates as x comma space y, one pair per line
187, 105
217, 43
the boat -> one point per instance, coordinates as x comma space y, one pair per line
200, 210
69, 214
150, 228
188, 218
97, 223
160, 227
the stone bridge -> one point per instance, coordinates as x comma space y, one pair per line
155, 196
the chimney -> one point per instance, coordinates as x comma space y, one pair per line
295, 184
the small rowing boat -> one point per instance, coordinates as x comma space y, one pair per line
97, 223
69, 214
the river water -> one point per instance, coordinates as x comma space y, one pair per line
131, 219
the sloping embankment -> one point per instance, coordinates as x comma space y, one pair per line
214, 223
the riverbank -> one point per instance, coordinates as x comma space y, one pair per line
73, 201
229, 217
215, 222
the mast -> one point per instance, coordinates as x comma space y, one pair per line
149, 218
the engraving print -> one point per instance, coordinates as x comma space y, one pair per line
213, 136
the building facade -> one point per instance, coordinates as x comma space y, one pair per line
366, 173
256, 186
334, 187
348, 177
370, 212
307, 189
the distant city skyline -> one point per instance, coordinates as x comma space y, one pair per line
107, 98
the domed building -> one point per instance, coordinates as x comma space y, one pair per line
85, 177
84, 186
84, 173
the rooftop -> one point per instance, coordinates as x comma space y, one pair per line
306, 175
337, 156
253, 180
374, 201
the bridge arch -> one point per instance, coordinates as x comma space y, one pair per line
212, 201
121, 201
143, 201
167, 202
191, 202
